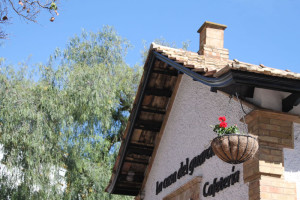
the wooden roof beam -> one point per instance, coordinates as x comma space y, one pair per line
289, 102
132, 178
140, 149
153, 110
148, 125
127, 191
158, 92
166, 72
137, 161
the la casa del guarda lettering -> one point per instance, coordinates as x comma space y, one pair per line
185, 168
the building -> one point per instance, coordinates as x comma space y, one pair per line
180, 95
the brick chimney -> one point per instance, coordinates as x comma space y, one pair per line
212, 41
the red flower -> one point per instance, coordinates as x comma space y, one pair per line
223, 124
222, 119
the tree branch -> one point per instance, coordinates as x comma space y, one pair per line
27, 9
13, 7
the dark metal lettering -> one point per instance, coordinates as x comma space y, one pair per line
192, 166
179, 175
223, 183
205, 194
159, 187
184, 169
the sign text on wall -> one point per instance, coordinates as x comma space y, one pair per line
222, 183
185, 168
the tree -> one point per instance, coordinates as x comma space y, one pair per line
164, 42
60, 129
26, 9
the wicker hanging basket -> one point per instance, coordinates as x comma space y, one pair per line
235, 148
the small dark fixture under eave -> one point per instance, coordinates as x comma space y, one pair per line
289, 102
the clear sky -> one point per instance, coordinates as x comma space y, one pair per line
259, 31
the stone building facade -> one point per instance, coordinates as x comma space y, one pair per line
166, 153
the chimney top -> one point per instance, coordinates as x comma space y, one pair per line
212, 41
208, 24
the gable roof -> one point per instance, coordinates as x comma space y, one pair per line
214, 68
155, 96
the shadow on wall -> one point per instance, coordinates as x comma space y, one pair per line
291, 156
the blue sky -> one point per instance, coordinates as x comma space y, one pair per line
259, 31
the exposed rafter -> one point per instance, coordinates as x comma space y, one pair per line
112, 186
166, 72
289, 102
140, 149
151, 110
148, 125
242, 90
158, 92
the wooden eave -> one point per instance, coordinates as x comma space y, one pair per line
146, 119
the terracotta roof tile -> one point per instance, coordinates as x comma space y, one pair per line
215, 68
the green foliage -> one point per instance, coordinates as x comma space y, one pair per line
228, 130
164, 42
53, 6
60, 129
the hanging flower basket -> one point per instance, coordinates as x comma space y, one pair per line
234, 148
231, 146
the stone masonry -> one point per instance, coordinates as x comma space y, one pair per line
189, 191
212, 42
265, 171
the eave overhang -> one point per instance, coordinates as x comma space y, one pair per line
236, 77
158, 65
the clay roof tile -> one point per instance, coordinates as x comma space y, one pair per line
214, 67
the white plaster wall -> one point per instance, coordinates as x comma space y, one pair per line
269, 99
187, 134
272, 100
292, 161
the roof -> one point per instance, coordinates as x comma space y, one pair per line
155, 96
211, 67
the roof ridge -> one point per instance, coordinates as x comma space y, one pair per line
202, 64
155, 45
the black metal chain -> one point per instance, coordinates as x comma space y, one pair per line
229, 102
242, 108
